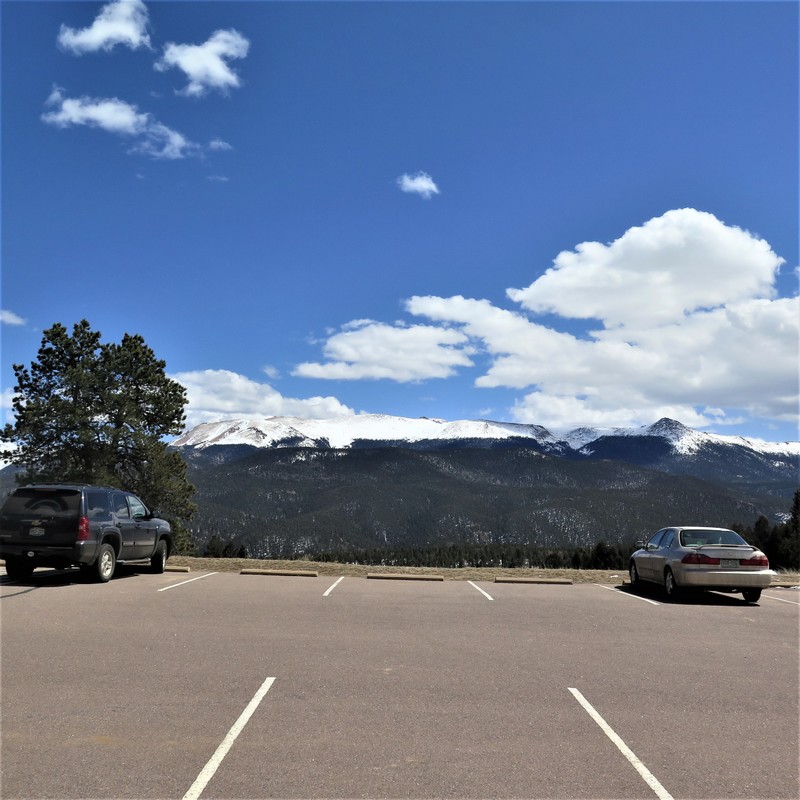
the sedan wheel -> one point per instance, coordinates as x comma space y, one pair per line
634, 573
751, 595
670, 586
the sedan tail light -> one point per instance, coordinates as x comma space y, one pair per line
83, 529
699, 558
756, 561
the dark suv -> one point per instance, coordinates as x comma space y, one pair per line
92, 527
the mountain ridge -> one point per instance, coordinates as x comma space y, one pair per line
344, 432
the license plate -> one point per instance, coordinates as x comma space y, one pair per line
729, 563
36, 532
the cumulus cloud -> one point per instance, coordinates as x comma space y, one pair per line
205, 65
689, 328
121, 22
221, 394
10, 318
219, 144
420, 183
151, 137
672, 265
374, 350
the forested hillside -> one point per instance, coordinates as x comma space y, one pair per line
282, 503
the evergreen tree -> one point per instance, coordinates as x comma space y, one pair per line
89, 412
794, 519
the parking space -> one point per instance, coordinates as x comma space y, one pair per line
392, 689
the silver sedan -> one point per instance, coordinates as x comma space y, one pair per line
701, 558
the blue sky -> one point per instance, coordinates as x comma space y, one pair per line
560, 213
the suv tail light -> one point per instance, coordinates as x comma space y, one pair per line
756, 561
83, 529
699, 558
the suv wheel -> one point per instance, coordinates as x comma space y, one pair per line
105, 564
158, 563
19, 569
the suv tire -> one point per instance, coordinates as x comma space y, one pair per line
105, 564
158, 562
19, 569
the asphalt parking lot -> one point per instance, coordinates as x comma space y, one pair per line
218, 685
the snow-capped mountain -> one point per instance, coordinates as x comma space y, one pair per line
360, 430
682, 440
290, 485
364, 430
740, 464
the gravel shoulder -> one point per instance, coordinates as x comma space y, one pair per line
612, 577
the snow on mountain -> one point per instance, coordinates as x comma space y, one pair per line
342, 432
683, 440
580, 437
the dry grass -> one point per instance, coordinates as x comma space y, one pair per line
611, 577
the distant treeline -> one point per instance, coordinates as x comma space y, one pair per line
780, 543
512, 556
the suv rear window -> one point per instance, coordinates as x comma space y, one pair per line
61, 502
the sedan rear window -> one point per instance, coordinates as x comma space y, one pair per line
698, 538
64, 502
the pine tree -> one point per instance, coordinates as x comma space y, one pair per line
89, 412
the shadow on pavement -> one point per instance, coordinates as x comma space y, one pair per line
687, 596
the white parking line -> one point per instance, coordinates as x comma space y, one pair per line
781, 599
207, 773
627, 594
207, 575
485, 594
647, 776
331, 588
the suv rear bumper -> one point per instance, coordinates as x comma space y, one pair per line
50, 556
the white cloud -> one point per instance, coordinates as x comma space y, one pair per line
10, 318
110, 114
692, 332
120, 22
558, 413
420, 183
672, 265
221, 394
205, 64
7, 416
373, 350
152, 138
219, 144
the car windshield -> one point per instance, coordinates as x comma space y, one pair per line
43, 502
699, 537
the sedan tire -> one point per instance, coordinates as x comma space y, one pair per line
671, 585
751, 595
634, 575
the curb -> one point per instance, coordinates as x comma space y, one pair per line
284, 572
403, 576
556, 581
